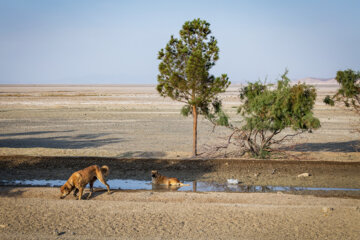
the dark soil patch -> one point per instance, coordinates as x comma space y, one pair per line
249, 172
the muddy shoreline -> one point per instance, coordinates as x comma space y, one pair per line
249, 172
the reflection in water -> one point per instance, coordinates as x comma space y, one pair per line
195, 186
159, 187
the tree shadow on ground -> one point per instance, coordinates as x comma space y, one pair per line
32, 133
350, 146
11, 192
141, 154
60, 142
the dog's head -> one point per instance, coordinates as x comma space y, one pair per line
65, 190
154, 173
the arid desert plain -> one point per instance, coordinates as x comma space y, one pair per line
49, 131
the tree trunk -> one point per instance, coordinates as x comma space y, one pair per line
194, 130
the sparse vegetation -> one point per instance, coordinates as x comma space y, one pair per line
268, 110
349, 92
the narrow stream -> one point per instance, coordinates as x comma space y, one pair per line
195, 186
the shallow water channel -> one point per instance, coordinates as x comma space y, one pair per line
195, 186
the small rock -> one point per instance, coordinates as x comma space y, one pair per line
274, 171
58, 233
280, 193
256, 174
2, 226
357, 209
304, 175
233, 181
327, 209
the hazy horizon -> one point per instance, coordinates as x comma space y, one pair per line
116, 42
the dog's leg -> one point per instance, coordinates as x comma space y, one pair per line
75, 192
91, 188
81, 190
102, 180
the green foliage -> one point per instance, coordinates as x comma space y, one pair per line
276, 109
262, 154
185, 63
184, 71
186, 110
268, 110
328, 100
349, 92
215, 114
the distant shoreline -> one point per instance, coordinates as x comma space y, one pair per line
87, 85
77, 85
311, 81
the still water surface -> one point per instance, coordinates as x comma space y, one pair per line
129, 184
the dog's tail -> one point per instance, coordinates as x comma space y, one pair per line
105, 170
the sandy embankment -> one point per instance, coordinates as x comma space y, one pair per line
37, 213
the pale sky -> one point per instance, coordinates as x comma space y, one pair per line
116, 42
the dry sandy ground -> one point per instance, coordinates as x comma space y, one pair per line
37, 213
134, 121
134, 130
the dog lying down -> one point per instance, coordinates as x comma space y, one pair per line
157, 178
81, 178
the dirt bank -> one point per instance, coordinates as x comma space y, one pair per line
37, 213
249, 172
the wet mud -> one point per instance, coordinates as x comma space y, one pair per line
326, 178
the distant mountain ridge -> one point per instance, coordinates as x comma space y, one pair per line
317, 81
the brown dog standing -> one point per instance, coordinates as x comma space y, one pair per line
81, 178
157, 178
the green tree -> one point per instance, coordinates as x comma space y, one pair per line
349, 91
184, 71
267, 110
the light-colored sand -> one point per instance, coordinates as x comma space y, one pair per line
37, 213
